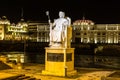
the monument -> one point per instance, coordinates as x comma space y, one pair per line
59, 56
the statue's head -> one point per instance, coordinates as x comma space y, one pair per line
61, 14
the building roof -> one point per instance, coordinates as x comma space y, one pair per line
4, 20
83, 22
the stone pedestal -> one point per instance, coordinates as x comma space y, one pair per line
59, 61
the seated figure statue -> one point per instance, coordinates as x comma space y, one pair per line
58, 31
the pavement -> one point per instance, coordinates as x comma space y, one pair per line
5, 75
97, 75
36, 69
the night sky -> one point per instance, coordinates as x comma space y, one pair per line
99, 11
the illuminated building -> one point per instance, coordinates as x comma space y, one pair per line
43, 33
4, 23
86, 31
17, 31
38, 31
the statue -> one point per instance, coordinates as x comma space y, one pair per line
59, 57
58, 30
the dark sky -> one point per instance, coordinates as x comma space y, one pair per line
99, 11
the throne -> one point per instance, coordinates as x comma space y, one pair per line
68, 35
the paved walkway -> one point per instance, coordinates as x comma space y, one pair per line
85, 76
35, 71
5, 75
97, 75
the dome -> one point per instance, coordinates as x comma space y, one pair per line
83, 22
4, 20
22, 23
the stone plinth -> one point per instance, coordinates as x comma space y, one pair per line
59, 61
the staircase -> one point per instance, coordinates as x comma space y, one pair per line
21, 77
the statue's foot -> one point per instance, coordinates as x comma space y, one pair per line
51, 43
56, 45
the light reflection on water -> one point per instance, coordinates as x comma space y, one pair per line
79, 60
97, 61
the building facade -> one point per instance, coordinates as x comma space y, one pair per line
13, 31
38, 32
4, 23
83, 31
17, 31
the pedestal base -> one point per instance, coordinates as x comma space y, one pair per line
59, 62
69, 73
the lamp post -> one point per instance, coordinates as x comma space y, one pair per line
24, 49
